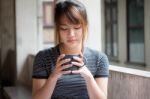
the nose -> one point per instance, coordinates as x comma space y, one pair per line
71, 32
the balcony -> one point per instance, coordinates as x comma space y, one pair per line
21, 36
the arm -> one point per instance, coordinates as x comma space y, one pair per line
97, 88
42, 88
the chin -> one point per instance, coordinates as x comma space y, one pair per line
73, 45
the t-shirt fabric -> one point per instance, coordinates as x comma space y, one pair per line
70, 86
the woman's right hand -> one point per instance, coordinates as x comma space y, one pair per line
59, 67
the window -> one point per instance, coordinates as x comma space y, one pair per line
48, 24
111, 28
135, 28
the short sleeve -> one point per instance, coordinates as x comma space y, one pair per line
102, 66
39, 67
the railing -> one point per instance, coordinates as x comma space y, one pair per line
128, 84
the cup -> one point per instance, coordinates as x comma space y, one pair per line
70, 56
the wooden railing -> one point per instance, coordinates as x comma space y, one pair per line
128, 86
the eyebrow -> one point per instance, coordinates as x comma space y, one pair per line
70, 25
64, 24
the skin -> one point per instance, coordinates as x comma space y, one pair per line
71, 39
70, 36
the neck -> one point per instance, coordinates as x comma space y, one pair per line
68, 50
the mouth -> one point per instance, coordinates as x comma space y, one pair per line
71, 40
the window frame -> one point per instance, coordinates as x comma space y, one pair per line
45, 5
112, 4
127, 39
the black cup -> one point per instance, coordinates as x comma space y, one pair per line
70, 56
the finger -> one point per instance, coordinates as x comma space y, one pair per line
78, 64
60, 57
63, 61
75, 71
66, 72
66, 66
77, 59
81, 54
82, 57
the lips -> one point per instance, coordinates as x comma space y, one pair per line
71, 40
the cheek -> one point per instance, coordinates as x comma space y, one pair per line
80, 34
61, 36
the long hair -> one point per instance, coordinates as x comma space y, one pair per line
76, 13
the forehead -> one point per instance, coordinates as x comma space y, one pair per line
64, 20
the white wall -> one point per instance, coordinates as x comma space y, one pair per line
122, 31
94, 15
26, 33
147, 33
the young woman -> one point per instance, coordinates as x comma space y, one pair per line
51, 77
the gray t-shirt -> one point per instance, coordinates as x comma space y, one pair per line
70, 86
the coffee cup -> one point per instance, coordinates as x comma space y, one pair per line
70, 56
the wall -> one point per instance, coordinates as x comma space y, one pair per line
122, 32
127, 86
147, 33
8, 43
0, 44
94, 16
26, 35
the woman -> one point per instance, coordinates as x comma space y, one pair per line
51, 77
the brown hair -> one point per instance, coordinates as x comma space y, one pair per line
76, 13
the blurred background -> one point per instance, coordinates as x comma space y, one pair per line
119, 28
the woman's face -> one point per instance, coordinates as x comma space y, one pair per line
70, 34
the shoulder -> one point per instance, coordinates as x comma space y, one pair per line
45, 58
48, 51
98, 62
42, 53
94, 53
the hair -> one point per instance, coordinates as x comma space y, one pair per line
75, 12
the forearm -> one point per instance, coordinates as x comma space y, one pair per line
94, 91
46, 91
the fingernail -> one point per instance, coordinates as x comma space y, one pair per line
62, 55
68, 59
75, 57
71, 62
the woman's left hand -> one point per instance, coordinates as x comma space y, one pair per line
83, 70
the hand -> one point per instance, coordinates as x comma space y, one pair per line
59, 69
83, 70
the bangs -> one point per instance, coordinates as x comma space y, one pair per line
73, 15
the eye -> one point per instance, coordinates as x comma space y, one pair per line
63, 28
78, 27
